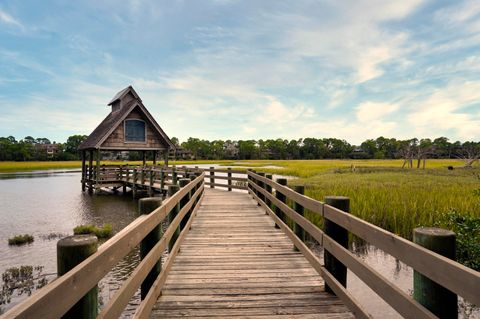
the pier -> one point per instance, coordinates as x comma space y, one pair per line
243, 254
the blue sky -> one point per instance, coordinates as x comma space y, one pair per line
227, 69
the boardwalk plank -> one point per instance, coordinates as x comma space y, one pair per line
234, 263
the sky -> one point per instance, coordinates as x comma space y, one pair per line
228, 69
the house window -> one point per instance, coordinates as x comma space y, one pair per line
134, 131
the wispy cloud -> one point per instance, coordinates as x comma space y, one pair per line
9, 20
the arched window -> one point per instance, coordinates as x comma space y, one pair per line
134, 131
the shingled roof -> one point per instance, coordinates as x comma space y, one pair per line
115, 118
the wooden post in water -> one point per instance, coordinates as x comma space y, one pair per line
71, 251
172, 189
134, 182
174, 176
212, 177
146, 206
162, 178
229, 181
300, 211
97, 171
340, 235
150, 184
439, 300
90, 171
84, 171
122, 168
282, 198
184, 201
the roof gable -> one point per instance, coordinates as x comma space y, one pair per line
122, 93
114, 119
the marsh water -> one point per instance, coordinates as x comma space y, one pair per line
50, 204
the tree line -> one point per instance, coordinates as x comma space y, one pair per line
413, 151
39, 149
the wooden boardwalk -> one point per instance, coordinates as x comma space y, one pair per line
235, 263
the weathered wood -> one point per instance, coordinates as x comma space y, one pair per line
227, 254
460, 279
282, 198
172, 190
118, 302
439, 300
308, 203
71, 251
225, 185
300, 189
340, 235
84, 171
212, 177
146, 206
145, 308
68, 288
313, 260
229, 177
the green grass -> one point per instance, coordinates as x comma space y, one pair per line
101, 232
11, 167
20, 240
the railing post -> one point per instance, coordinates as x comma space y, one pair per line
71, 251
142, 175
229, 176
184, 201
146, 206
300, 211
212, 177
174, 175
439, 300
172, 189
282, 198
254, 181
162, 178
340, 235
261, 185
150, 187
268, 188
134, 183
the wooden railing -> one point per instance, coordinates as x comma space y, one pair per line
55, 299
160, 177
461, 280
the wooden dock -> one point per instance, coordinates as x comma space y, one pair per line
226, 257
235, 263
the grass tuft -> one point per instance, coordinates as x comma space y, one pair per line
101, 232
20, 240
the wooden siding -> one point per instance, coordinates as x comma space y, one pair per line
117, 138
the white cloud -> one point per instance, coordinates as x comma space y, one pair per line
447, 109
374, 111
9, 20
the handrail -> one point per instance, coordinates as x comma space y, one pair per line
448, 273
73, 285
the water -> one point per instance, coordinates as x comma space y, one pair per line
53, 203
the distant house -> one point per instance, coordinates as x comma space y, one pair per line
181, 153
47, 150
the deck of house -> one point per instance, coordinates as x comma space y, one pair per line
235, 263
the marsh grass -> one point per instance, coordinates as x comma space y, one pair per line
105, 231
20, 240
